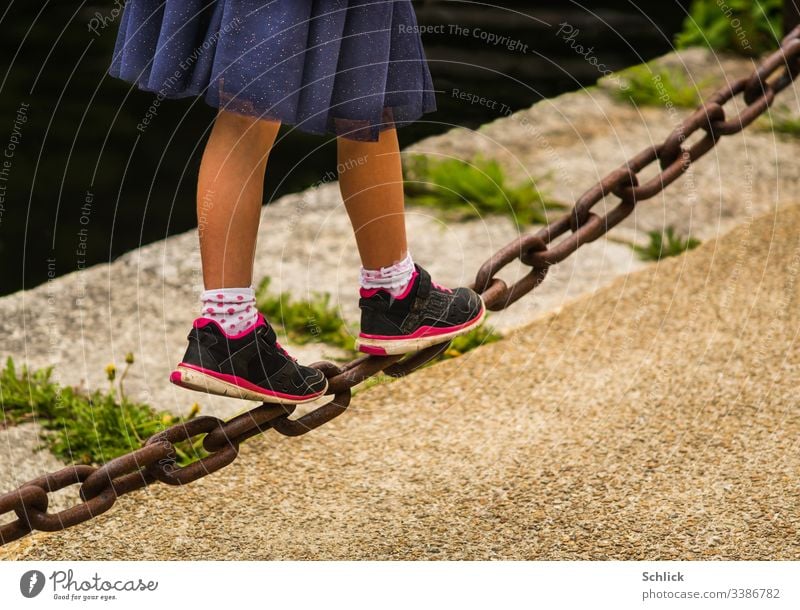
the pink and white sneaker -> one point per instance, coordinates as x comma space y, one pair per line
425, 314
251, 365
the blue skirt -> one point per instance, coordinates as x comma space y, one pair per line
345, 67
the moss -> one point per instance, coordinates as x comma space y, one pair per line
471, 190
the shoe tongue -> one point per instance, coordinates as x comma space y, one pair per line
417, 289
269, 332
423, 284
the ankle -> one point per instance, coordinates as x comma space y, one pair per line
234, 309
394, 279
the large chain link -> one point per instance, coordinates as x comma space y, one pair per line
157, 459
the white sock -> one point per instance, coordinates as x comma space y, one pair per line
393, 279
234, 309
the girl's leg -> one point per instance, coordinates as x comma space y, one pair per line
402, 309
229, 197
232, 350
371, 182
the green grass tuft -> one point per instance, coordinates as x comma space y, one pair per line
316, 321
305, 321
666, 244
85, 427
649, 85
483, 335
98, 426
744, 27
785, 123
470, 190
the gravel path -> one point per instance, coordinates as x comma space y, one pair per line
654, 419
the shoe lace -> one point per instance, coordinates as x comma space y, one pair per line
442, 288
263, 336
284, 352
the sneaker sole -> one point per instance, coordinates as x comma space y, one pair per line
199, 381
394, 347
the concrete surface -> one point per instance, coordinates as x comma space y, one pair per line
654, 419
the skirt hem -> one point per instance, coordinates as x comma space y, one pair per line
350, 68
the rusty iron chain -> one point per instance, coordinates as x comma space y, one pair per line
156, 460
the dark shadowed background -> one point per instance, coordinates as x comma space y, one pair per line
82, 185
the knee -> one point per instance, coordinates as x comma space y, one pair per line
247, 127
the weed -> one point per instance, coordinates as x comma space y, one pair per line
650, 85
470, 190
87, 427
784, 122
665, 244
306, 321
741, 26
316, 320
483, 335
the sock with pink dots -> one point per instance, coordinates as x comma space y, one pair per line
234, 309
393, 279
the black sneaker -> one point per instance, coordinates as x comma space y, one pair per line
425, 314
251, 365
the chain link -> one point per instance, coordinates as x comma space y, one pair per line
157, 459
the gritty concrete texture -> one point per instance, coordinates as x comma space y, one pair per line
25, 457
143, 302
569, 142
654, 419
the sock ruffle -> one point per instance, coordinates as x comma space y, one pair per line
391, 278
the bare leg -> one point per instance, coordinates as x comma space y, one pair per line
229, 196
371, 182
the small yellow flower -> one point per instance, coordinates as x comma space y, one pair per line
194, 411
166, 419
111, 372
129, 358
